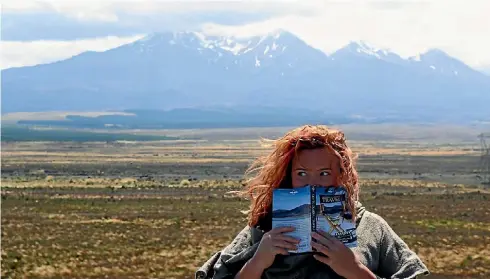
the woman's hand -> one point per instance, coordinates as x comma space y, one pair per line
273, 243
339, 257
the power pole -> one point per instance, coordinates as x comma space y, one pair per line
485, 159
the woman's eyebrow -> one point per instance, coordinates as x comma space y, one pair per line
299, 168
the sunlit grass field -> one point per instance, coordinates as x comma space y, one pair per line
160, 209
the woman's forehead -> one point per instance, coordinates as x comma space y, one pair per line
315, 158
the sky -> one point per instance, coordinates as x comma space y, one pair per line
286, 201
36, 32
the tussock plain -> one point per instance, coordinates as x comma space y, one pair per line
160, 209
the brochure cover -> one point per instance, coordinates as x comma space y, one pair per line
313, 208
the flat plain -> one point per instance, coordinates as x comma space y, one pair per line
160, 209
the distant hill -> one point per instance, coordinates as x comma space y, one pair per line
295, 212
199, 118
190, 70
12, 133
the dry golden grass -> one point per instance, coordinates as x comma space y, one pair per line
238, 151
130, 182
135, 210
459, 261
93, 235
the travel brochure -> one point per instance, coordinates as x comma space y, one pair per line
312, 208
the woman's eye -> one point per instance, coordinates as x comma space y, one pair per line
324, 173
301, 173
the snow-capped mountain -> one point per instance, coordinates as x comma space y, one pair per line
434, 60
277, 50
364, 50
182, 69
439, 62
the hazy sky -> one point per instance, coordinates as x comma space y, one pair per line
286, 201
43, 31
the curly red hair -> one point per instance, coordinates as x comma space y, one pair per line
274, 170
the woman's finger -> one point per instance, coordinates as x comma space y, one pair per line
321, 239
287, 238
333, 242
320, 248
284, 244
282, 230
329, 237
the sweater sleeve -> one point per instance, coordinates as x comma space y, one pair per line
396, 260
226, 263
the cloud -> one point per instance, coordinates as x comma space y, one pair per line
109, 10
460, 28
68, 20
83, 11
407, 28
16, 54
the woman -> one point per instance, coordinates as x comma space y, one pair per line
310, 155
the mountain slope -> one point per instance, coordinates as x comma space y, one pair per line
189, 69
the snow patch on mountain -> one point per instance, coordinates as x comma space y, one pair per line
266, 50
262, 51
363, 47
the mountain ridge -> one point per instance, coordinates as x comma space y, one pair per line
299, 211
362, 45
188, 69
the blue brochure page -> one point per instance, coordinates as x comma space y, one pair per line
332, 215
291, 207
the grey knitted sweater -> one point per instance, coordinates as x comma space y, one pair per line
379, 248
